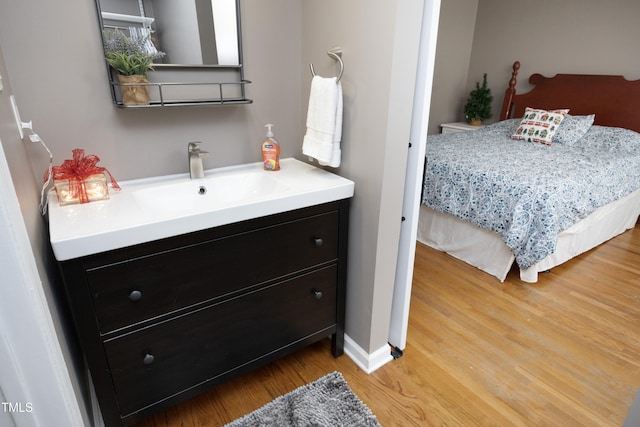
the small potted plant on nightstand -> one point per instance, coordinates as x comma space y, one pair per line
478, 106
131, 56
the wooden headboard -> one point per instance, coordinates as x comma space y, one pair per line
614, 100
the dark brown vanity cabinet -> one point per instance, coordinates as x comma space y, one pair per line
163, 321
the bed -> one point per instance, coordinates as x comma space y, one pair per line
543, 184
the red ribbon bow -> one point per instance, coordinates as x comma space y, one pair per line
77, 170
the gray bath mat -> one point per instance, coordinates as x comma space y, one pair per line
327, 401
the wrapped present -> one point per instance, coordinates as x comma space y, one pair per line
80, 180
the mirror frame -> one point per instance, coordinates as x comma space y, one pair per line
183, 80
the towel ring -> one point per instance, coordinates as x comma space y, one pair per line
335, 53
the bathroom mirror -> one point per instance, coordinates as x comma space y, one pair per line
201, 40
190, 32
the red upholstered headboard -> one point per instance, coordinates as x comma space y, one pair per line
614, 100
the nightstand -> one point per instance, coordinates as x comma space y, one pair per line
458, 127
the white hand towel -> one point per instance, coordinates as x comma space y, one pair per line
337, 136
324, 122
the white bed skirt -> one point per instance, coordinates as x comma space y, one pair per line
487, 251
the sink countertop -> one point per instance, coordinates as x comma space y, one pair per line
126, 219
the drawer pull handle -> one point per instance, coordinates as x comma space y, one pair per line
135, 295
148, 359
318, 241
317, 294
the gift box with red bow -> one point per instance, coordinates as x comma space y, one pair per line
80, 180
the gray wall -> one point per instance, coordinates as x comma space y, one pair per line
380, 42
547, 37
453, 53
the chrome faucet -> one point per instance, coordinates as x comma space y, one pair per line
195, 160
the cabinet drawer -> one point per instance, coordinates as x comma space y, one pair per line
142, 288
203, 345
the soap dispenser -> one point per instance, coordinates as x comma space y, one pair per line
270, 151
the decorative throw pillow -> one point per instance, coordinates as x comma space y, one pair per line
573, 128
539, 125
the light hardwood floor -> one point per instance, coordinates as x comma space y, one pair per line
562, 352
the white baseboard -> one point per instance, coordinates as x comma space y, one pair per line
367, 362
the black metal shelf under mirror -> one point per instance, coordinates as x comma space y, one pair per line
196, 48
196, 92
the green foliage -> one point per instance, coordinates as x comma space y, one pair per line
478, 104
129, 65
129, 55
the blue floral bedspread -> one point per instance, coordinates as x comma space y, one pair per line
527, 192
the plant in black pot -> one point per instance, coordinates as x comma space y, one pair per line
478, 106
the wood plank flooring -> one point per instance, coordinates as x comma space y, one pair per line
562, 352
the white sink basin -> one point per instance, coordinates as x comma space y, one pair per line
212, 192
155, 208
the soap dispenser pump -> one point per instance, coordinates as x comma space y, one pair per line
270, 151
